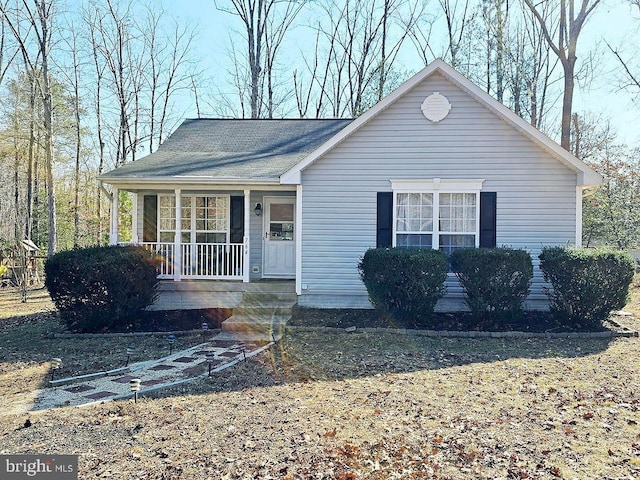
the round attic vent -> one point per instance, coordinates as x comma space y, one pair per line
436, 107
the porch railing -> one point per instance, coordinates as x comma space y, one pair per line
224, 261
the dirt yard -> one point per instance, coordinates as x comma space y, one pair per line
356, 406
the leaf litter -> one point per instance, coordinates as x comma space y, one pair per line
368, 406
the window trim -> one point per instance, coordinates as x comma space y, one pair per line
436, 186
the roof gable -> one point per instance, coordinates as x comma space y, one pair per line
586, 176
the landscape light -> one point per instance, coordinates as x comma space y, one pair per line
130, 351
205, 328
134, 385
171, 339
56, 363
210, 359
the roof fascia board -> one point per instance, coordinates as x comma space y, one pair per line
188, 180
586, 175
199, 187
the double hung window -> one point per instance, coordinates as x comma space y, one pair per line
438, 214
205, 218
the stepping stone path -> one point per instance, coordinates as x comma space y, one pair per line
180, 367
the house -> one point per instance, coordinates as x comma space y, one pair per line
438, 163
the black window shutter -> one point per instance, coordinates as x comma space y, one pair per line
150, 219
384, 220
237, 220
487, 219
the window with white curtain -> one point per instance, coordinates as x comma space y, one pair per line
432, 214
458, 226
414, 220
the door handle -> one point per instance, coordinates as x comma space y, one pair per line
266, 234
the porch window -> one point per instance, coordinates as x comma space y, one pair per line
212, 219
436, 213
205, 218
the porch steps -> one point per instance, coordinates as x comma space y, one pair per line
263, 312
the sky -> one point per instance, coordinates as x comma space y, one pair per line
614, 22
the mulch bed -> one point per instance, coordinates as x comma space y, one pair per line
459, 321
177, 320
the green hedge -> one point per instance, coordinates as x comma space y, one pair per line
404, 284
496, 281
96, 289
586, 284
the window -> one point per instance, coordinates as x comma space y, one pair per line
458, 221
211, 218
436, 213
205, 218
414, 220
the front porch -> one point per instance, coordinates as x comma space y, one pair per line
221, 233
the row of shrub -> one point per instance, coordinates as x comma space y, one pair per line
585, 284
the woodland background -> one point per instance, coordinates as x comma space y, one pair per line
86, 86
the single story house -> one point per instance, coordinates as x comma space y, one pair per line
438, 163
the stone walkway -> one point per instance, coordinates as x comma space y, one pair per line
180, 367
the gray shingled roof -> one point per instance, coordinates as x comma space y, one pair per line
231, 149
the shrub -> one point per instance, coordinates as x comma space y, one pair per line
404, 284
101, 288
496, 281
586, 284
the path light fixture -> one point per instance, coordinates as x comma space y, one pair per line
130, 351
205, 328
56, 363
244, 353
134, 385
211, 357
171, 339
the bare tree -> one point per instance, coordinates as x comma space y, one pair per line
495, 16
630, 79
73, 74
265, 24
530, 67
457, 15
38, 15
119, 52
569, 28
356, 47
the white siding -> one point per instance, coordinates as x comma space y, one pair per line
535, 193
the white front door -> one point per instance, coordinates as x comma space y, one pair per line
279, 252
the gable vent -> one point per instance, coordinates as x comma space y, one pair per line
436, 107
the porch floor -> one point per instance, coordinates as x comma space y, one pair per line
201, 294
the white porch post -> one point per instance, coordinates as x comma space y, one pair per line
134, 219
177, 239
247, 235
113, 230
298, 238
